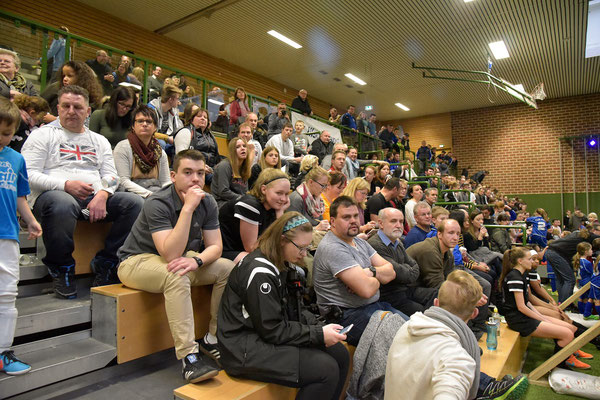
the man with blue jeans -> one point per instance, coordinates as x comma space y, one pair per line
72, 177
348, 272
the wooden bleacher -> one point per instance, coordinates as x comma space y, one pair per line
508, 356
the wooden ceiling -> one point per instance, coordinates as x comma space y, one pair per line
378, 40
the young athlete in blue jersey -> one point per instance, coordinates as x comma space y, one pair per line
539, 228
587, 274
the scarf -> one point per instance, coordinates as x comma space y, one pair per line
18, 82
146, 157
465, 336
313, 205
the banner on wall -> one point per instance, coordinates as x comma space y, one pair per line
313, 128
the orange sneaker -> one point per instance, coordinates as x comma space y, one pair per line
575, 363
583, 354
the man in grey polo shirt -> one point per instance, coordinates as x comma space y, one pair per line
174, 244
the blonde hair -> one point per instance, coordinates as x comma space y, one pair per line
263, 163
542, 213
582, 248
459, 294
308, 161
266, 177
240, 169
168, 92
316, 173
436, 211
354, 185
9, 113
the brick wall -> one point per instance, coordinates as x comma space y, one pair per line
520, 146
435, 129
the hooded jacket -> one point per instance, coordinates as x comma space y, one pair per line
174, 121
442, 370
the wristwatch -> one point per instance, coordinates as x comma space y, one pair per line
198, 261
373, 270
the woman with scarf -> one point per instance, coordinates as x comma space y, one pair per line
114, 121
12, 82
33, 109
306, 199
142, 165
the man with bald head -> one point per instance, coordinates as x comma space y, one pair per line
322, 147
101, 67
403, 293
300, 103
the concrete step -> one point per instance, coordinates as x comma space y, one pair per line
31, 268
47, 312
56, 359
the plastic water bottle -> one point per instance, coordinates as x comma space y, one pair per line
497, 318
492, 338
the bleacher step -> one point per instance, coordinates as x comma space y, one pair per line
35, 269
56, 359
47, 312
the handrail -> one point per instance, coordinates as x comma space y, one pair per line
520, 227
204, 82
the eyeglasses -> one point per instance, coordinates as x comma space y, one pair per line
320, 184
144, 121
300, 249
124, 105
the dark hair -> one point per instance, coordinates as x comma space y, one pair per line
188, 120
350, 106
335, 178
503, 217
146, 112
74, 89
35, 103
341, 201
86, 78
392, 183
112, 117
411, 189
459, 216
189, 154
288, 125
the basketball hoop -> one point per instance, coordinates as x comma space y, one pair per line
538, 92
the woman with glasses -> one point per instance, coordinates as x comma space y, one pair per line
141, 163
243, 220
114, 121
264, 333
306, 199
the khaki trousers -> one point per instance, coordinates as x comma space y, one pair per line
148, 272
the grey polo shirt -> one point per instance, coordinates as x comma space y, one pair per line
161, 212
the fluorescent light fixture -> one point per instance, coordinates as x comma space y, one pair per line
468, 1
499, 50
284, 39
368, 108
402, 106
355, 79
217, 102
441, 145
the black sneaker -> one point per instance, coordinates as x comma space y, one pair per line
195, 369
211, 350
63, 280
508, 388
105, 271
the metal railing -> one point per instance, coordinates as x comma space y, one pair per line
519, 227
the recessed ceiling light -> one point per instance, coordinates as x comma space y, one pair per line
499, 50
402, 106
217, 102
355, 79
284, 39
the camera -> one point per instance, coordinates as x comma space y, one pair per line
283, 112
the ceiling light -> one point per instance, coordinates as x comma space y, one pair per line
402, 106
468, 1
355, 79
499, 50
284, 39
217, 102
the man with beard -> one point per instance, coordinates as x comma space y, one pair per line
348, 272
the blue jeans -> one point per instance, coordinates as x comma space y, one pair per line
58, 212
360, 318
563, 273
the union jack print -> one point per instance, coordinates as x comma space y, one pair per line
74, 152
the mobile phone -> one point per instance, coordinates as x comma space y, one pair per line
346, 329
371, 232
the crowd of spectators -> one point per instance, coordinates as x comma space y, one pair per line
361, 236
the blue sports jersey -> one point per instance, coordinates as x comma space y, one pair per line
586, 271
13, 183
539, 226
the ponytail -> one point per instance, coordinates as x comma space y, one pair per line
509, 261
582, 248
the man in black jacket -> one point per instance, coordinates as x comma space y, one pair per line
101, 67
402, 293
300, 103
322, 146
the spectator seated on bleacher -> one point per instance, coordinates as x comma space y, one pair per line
430, 195
101, 67
500, 240
167, 114
452, 369
476, 241
141, 163
403, 293
416, 195
358, 189
71, 173
338, 163
238, 109
419, 232
33, 109
154, 83
114, 121
12, 82
339, 146
348, 272
436, 260
301, 141
162, 255
322, 146
301, 103
353, 164
254, 146
370, 171
308, 162
259, 134
73, 73
269, 158
264, 332
244, 219
335, 187
278, 120
230, 176
282, 142
195, 134
382, 199
306, 199
120, 75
